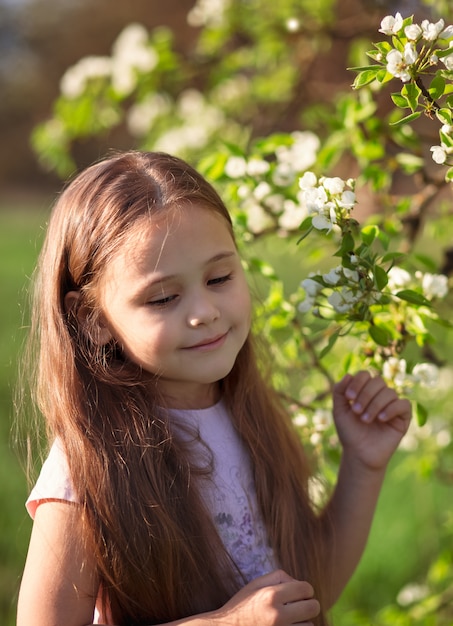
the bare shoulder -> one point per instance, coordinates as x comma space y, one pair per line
59, 584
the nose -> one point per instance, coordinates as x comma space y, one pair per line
203, 310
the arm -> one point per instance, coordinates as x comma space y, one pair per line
59, 585
371, 421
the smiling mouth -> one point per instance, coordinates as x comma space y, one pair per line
207, 344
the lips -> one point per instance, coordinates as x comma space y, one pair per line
209, 343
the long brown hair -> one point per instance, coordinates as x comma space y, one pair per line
158, 554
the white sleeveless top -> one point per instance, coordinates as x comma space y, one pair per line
230, 493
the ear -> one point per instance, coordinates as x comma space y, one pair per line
100, 334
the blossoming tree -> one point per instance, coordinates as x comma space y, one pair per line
356, 293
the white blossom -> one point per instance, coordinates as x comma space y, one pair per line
257, 218
131, 52
443, 438
300, 420
236, 167
347, 199
292, 25
434, 285
275, 202
447, 33
142, 115
334, 276
207, 12
293, 215
257, 167
283, 174
426, 374
315, 199
413, 32
333, 185
448, 61
391, 25
311, 287
315, 439
398, 278
439, 154
394, 369
342, 301
75, 79
262, 190
308, 180
301, 154
398, 63
412, 593
325, 221
432, 31
231, 90
322, 419
351, 275
306, 305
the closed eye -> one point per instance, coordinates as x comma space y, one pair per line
162, 301
220, 280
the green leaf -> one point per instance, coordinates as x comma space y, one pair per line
347, 245
330, 344
381, 278
213, 166
384, 47
369, 234
445, 139
410, 163
379, 335
449, 175
400, 101
421, 413
393, 256
412, 93
365, 77
444, 116
383, 76
437, 87
308, 227
269, 144
443, 53
408, 295
406, 120
263, 268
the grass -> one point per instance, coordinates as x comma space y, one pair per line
406, 530
20, 231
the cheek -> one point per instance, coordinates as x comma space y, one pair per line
243, 305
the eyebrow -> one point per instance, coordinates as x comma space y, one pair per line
147, 284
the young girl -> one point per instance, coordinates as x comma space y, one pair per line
176, 488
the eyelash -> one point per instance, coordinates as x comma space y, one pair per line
221, 280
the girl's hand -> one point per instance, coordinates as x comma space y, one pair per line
370, 418
274, 599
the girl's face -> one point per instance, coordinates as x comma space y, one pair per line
178, 304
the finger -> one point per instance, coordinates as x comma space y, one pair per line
275, 577
341, 386
400, 408
295, 591
372, 398
340, 398
351, 386
301, 611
